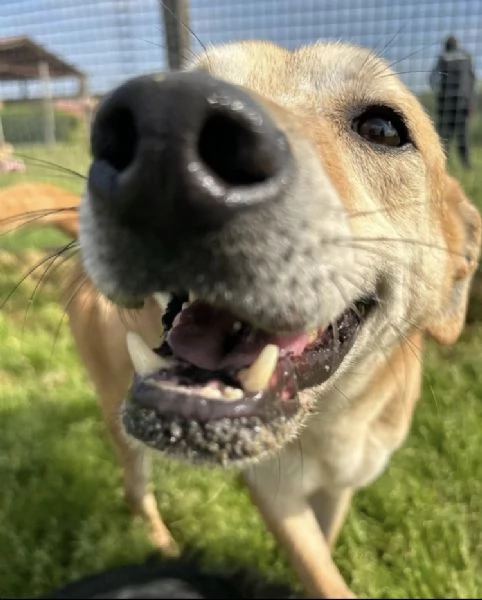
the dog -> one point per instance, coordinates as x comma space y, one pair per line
266, 240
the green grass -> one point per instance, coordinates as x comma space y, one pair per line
43, 166
36, 158
417, 531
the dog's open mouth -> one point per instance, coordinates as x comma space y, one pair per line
220, 389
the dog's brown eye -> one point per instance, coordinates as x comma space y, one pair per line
383, 127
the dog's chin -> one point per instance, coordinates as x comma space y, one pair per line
220, 391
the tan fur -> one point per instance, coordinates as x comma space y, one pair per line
348, 442
38, 204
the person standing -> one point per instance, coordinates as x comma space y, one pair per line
453, 81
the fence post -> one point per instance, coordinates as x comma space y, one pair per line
49, 112
175, 16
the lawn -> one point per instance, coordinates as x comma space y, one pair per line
417, 531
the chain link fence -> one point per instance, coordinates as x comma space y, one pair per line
114, 39
107, 41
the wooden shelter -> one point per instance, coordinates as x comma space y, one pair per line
22, 59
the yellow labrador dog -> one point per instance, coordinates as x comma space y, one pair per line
282, 230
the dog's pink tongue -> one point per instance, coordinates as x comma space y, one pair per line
201, 336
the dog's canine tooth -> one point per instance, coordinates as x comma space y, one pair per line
144, 360
256, 377
191, 296
161, 299
231, 394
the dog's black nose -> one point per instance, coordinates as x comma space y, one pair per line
188, 150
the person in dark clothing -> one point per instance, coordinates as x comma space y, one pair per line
453, 81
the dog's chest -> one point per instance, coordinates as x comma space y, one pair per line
329, 459
344, 449
345, 456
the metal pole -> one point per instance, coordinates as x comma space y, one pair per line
175, 16
2, 133
86, 101
49, 112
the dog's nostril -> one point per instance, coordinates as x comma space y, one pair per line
116, 138
234, 151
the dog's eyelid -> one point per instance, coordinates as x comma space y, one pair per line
384, 110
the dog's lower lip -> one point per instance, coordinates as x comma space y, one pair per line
151, 393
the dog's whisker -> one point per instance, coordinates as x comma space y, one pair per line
83, 281
403, 268
302, 462
278, 476
413, 53
11, 224
50, 165
416, 351
386, 255
192, 54
395, 240
409, 72
50, 268
401, 336
341, 211
347, 400
375, 211
380, 51
155, 44
27, 275
186, 27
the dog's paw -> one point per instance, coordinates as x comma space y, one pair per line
163, 541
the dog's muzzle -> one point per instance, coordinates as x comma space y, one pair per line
195, 190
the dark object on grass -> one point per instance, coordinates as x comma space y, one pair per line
169, 578
474, 311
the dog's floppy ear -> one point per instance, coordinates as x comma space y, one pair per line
461, 224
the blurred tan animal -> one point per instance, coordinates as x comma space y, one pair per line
38, 204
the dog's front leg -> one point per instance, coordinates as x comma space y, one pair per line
292, 521
136, 468
99, 329
136, 465
331, 510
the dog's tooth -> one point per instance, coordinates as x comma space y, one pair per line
144, 360
256, 377
191, 296
212, 393
161, 299
231, 394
